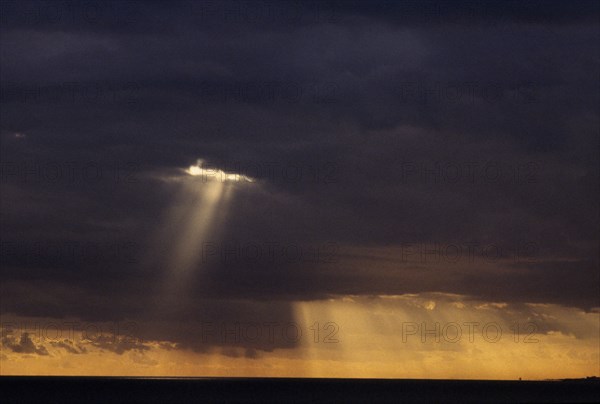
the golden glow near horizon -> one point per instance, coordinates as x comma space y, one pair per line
437, 336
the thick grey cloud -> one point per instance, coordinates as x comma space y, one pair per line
367, 125
70, 346
24, 345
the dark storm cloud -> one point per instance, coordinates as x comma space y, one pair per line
367, 124
118, 346
69, 346
24, 345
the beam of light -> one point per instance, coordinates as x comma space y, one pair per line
197, 216
206, 200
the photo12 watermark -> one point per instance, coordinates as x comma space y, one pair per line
73, 331
326, 332
462, 252
469, 172
68, 172
75, 93
472, 331
274, 172
268, 252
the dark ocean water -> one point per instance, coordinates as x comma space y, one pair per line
16, 389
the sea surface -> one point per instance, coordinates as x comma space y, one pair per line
47, 389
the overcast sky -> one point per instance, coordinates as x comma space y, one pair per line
374, 149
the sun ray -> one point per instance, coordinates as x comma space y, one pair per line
197, 216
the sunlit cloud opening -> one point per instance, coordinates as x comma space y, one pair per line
215, 174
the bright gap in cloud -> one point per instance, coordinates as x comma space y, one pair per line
215, 174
